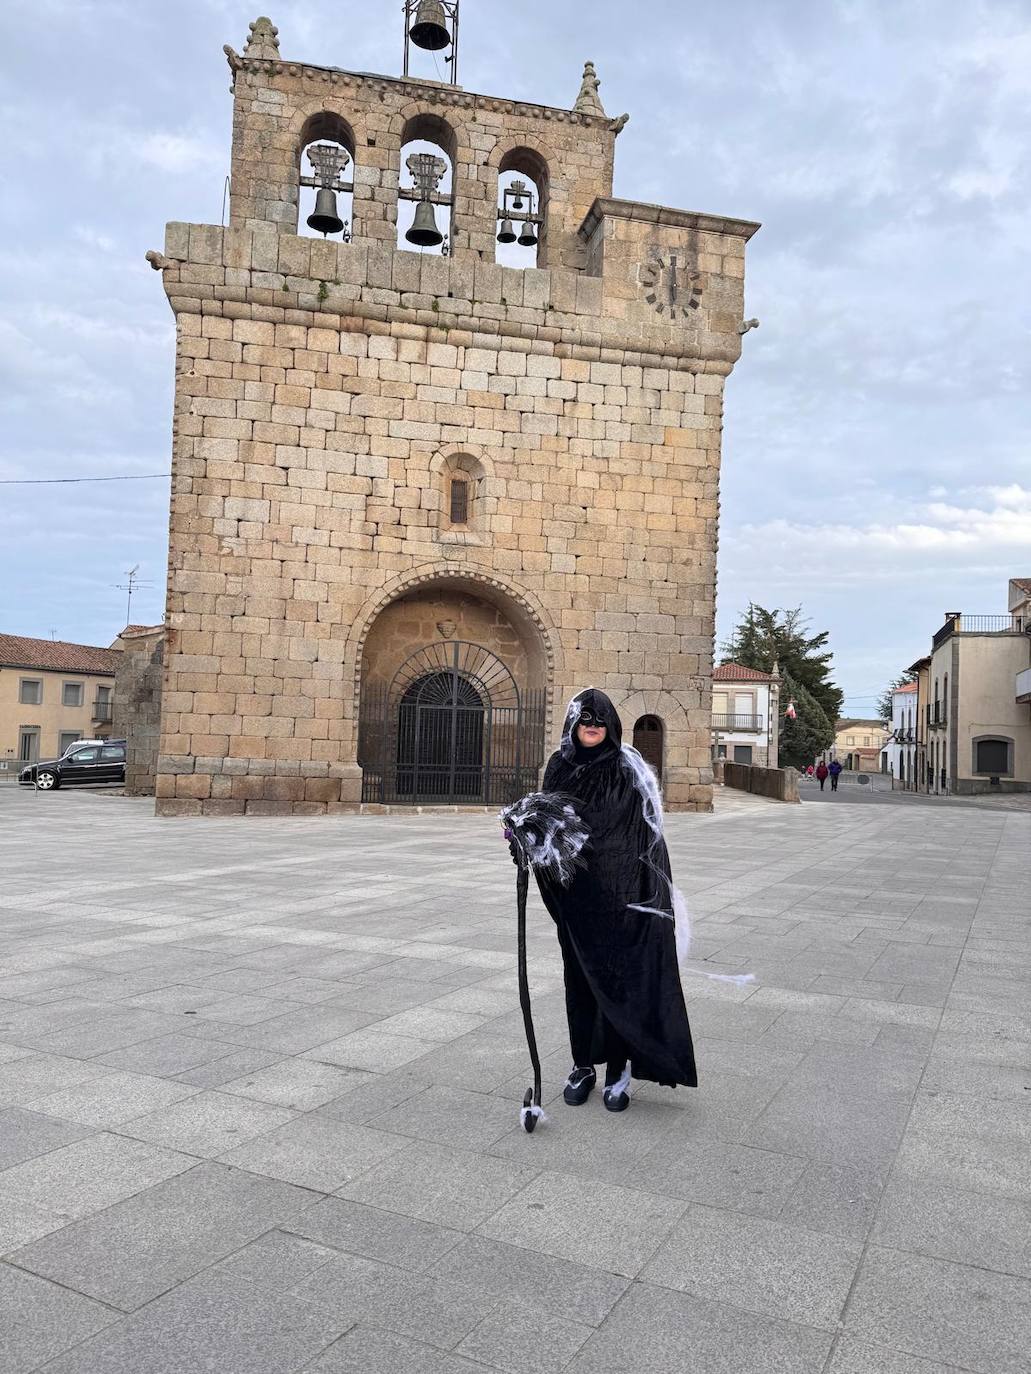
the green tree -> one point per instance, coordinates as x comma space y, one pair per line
810, 733
884, 700
763, 637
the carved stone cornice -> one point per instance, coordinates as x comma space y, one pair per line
644, 213
431, 92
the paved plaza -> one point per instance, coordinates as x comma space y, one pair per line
259, 1090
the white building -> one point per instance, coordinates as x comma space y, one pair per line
899, 755
746, 714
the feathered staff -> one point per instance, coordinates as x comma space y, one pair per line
544, 833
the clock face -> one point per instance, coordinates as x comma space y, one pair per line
671, 285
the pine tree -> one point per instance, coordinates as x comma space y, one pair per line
803, 739
763, 638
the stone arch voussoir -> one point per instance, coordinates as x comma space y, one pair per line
426, 576
632, 705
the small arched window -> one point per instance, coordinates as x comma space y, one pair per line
426, 193
326, 177
462, 502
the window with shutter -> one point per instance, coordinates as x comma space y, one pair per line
991, 756
459, 501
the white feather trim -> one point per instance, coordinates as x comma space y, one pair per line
525, 1112
622, 1085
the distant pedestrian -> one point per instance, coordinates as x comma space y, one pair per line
835, 771
821, 773
809, 772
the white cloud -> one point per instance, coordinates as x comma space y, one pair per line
177, 152
988, 535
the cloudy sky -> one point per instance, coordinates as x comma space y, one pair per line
877, 461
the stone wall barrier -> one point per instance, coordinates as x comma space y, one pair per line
779, 784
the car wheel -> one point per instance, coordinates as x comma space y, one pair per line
46, 780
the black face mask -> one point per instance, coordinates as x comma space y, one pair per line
595, 708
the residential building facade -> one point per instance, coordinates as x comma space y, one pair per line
745, 715
858, 744
921, 772
420, 498
52, 693
899, 755
978, 712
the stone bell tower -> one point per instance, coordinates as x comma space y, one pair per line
421, 496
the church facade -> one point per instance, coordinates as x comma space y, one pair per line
419, 499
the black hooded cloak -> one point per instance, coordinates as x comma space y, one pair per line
621, 961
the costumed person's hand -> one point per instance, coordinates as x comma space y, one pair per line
513, 848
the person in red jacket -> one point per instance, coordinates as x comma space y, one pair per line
821, 773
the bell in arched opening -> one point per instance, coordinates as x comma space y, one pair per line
424, 232
426, 171
324, 218
329, 161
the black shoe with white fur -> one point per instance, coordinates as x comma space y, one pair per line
617, 1093
579, 1086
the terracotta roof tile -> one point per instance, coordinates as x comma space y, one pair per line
57, 655
736, 672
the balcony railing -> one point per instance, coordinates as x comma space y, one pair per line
936, 717
102, 711
980, 625
725, 721
903, 737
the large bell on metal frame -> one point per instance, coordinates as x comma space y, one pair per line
324, 218
506, 234
430, 27
424, 231
527, 235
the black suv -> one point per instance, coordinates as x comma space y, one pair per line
95, 761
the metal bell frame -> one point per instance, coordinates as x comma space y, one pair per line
512, 198
329, 161
426, 27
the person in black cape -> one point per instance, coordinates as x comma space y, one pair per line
616, 918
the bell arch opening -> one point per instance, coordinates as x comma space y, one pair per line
325, 177
522, 234
426, 193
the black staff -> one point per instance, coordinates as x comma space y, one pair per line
545, 833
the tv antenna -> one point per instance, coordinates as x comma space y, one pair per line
131, 584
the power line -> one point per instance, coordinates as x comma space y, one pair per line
42, 481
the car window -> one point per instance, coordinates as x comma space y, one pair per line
113, 753
84, 756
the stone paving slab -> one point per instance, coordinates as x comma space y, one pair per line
259, 1084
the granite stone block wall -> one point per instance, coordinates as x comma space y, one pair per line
326, 393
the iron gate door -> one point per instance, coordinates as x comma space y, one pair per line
452, 727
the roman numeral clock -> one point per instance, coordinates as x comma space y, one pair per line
671, 284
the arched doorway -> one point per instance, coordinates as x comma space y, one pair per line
648, 739
453, 727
